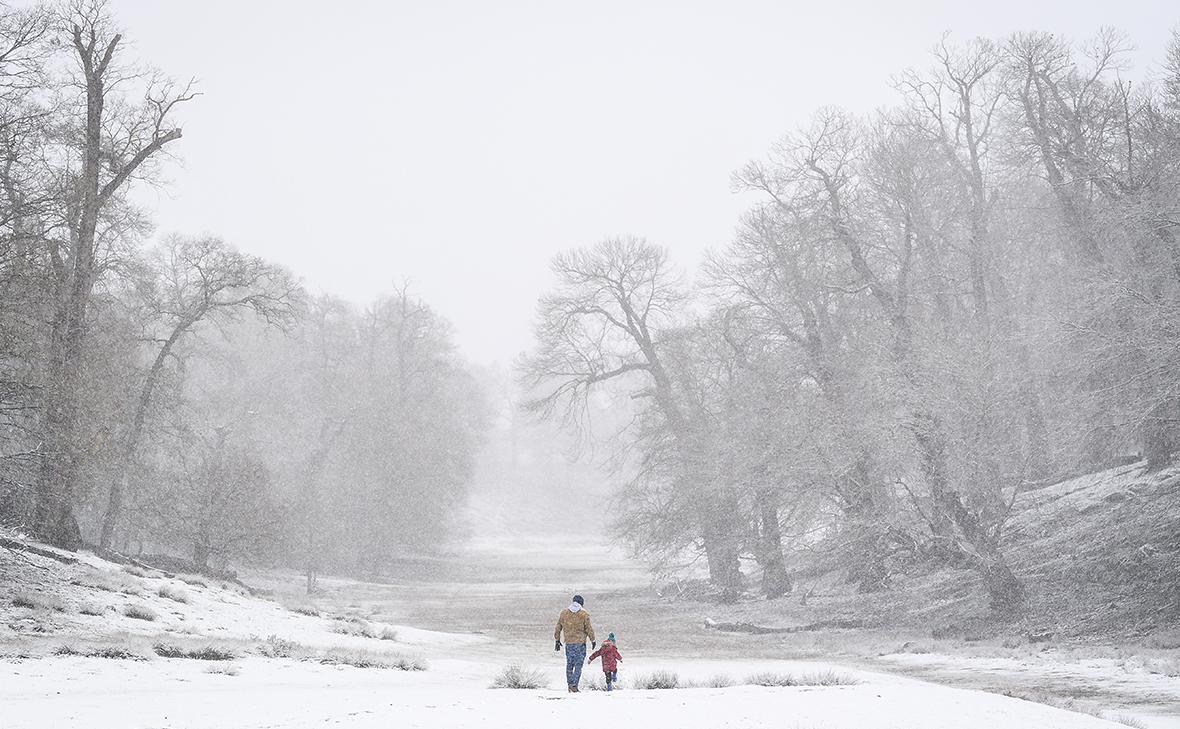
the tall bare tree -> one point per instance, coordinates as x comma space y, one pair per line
115, 142
603, 324
197, 281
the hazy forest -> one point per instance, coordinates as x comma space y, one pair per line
924, 311
927, 313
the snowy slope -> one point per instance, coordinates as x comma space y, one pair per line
40, 689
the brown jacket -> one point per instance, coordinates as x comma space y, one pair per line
575, 627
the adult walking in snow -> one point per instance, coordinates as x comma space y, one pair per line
573, 625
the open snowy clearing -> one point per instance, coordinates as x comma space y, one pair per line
44, 689
257, 692
97, 693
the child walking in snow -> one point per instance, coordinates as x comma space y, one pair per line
610, 660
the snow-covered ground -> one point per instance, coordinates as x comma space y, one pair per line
96, 693
506, 619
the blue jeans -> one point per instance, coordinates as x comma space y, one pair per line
575, 656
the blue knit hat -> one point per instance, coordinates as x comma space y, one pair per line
611, 638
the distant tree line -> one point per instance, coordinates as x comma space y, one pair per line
187, 397
925, 311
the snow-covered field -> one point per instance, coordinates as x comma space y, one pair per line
43, 689
77, 692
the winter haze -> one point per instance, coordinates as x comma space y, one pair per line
742, 364
459, 145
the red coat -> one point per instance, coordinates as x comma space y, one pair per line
610, 656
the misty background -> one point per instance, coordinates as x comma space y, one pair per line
755, 294
460, 146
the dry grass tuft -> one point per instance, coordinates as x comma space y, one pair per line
224, 670
194, 580
110, 582
361, 628
657, 680
172, 592
140, 612
276, 647
113, 652
202, 653
819, 678
371, 659
38, 602
516, 677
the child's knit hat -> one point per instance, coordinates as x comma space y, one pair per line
611, 638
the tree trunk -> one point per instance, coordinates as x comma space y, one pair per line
723, 550
724, 566
131, 447
1159, 434
61, 460
776, 581
952, 520
1005, 590
201, 555
60, 466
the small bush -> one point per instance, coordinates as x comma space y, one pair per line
772, 679
658, 680
276, 647
368, 659
309, 610
112, 652
92, 609
822, 678
110, 582
139, 612
204, 653
361, 628
23, 601
38, 602
171, 592
135, 570
516, 677
211, 653
719, 681
168, 651
234, 588
230, 670
115, 652
194, 580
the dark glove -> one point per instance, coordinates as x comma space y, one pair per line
557, 645
593, 644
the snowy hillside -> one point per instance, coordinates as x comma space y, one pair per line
94, 644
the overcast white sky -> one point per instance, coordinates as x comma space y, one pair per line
461, 144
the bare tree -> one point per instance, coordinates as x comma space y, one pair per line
201, 280
603, 324
24, 196
115, 143
871, 187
